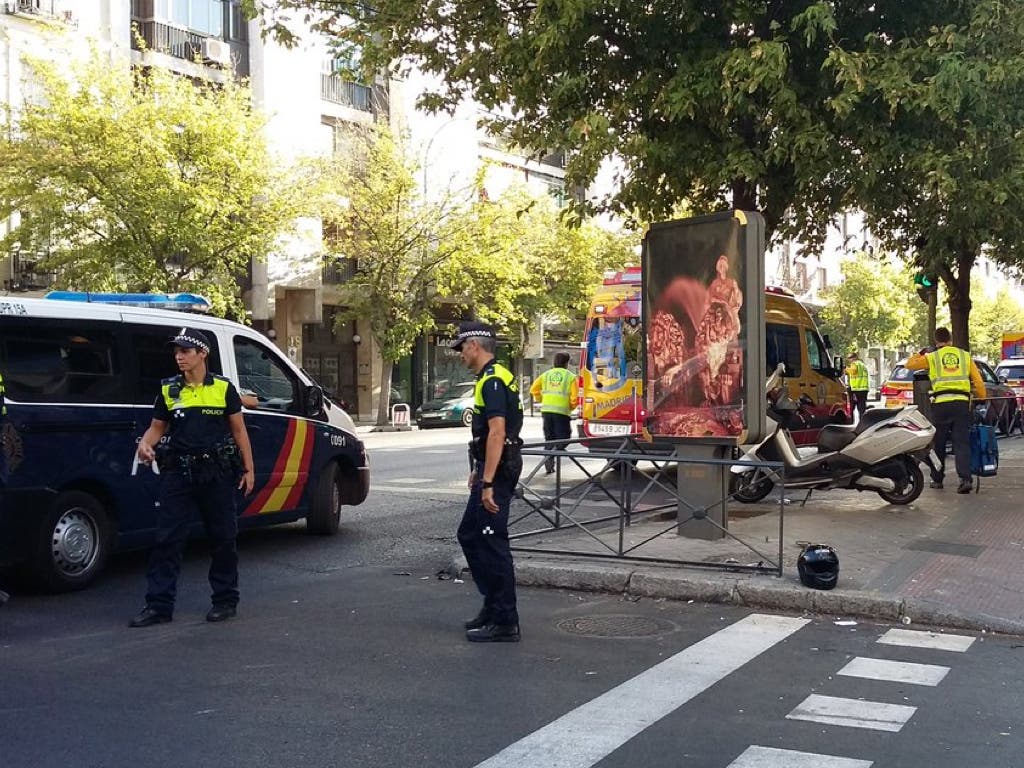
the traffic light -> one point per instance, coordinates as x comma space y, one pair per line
926, 283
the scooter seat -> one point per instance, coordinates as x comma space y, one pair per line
835, 437
875, 415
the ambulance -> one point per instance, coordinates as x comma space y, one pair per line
82, 372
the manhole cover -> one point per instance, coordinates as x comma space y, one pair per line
616, 626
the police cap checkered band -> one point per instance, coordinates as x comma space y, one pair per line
190, 338
472, 330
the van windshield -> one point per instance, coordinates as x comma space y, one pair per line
613, 350
1011, 371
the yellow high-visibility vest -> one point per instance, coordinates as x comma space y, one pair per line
556, 384
949, 368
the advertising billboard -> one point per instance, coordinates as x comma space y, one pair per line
703, 307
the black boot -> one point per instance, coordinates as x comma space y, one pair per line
494, 633
965, 486
479, 620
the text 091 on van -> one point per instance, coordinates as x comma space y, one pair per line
81, 378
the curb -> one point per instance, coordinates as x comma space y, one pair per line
765, 592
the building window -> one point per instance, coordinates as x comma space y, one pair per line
822, 279
203, 16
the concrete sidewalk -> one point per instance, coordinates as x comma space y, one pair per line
947, 560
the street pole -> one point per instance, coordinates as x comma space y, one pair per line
933, 301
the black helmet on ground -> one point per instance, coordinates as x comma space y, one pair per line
818, 566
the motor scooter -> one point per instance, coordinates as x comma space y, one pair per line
881, 453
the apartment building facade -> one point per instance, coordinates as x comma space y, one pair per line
290, 292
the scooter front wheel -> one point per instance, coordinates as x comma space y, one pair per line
911, 489
750, 487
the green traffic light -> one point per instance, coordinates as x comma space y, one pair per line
924, 280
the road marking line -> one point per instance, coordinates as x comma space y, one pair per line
463, 493
591, 732
916, 639
769, 757
387, 450
411, 480
438, 451
853, 713
895, 671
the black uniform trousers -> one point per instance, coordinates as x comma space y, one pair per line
860, 400
180, 502
484, 540
557, 426
952, 416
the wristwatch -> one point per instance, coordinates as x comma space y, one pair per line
487, 484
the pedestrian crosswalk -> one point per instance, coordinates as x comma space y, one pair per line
586, 735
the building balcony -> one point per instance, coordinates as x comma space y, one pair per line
345, 92
338, 271
191, 46
26, 275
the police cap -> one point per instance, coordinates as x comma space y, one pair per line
471, 329
190, 338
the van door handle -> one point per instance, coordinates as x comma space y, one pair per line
50, 427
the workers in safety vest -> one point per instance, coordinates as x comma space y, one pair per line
495, 465
858, 382
198, 438
557, 391
954, 376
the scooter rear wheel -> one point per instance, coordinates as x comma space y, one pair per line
911, 489
750, 487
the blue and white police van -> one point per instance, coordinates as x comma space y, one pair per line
82, 372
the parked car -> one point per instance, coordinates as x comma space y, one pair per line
1001, 400
455, 407
1011, 373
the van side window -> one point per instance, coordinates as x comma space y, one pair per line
262, 375
782, 345
816, 354
63, 362
154, 358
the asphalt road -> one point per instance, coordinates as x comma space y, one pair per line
348, 652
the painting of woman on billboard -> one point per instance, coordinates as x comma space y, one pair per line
695, 341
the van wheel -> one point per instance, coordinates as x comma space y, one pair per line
911, 488
325, 511
73, 543
467, 417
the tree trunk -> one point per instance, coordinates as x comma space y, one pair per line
960, 298
744, 195
933, 301
383, 404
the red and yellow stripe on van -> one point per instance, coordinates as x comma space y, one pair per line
290, 474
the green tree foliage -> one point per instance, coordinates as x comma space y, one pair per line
936, 123
131, 181
520, 260
396, 241
717, 104
992, 315
875, 305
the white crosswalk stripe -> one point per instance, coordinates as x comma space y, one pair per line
895, 671
411, 480
769, 757
853, 713
594, 730
935, 640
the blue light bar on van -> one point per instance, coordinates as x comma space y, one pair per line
183, 302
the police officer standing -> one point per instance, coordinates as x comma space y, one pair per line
556, 389
203, 455
858, 382
496, 464
953, 375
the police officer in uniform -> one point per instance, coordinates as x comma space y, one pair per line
201, 447
496, 463
557, 390
953, 375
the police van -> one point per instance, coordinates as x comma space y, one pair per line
82, 372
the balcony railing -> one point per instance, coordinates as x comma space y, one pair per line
337, 271
340, 91
183, 44
26, 275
